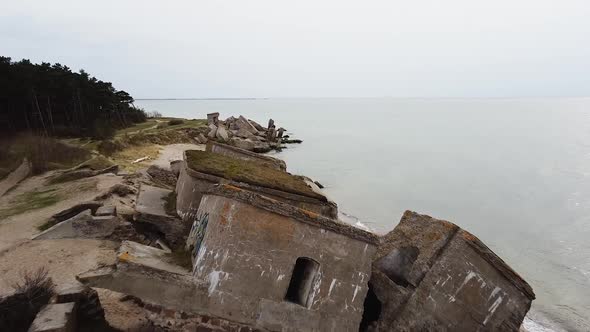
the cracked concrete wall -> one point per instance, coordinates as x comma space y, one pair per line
454, 283
247, 257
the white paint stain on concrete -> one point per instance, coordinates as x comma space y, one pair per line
492, 309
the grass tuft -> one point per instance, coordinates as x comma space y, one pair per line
30, 201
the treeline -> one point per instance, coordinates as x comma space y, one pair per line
52, 100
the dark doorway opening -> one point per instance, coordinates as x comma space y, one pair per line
301, 283
372, 311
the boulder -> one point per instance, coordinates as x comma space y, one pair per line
202, 139
244, 124
256, 125
212, 131
175, 167
245, 144
242, 132
222, 134
271, 123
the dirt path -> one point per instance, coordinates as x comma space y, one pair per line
173, 152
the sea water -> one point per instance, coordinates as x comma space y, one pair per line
514, 172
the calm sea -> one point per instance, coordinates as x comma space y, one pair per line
515, 172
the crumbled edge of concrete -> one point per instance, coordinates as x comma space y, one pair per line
497, 262
473, 241
287, 210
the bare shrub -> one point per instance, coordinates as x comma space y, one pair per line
32, 292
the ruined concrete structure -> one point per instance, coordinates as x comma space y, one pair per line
234, 152
257, 261
267, 252
192, 183
430, 275
279, 266
213, 118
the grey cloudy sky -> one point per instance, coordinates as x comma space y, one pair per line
273, 48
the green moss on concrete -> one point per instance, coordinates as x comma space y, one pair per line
247, 172
30, 201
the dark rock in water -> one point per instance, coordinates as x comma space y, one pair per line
271, 124
429, 274
292, 141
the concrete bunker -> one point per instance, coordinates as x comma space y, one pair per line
202, 170
280, 265
429, 274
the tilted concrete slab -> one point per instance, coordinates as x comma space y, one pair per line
150, 208
150, 257
429, 274
151, 201
60, 317
83, 225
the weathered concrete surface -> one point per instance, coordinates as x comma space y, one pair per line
84, 225
429, 274
138, 254
15, 177
150, 208
245, 248
88, 306
236, 152
59, 317
191, 185
109, 210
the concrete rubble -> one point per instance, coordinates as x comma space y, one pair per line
227, 240
245, 134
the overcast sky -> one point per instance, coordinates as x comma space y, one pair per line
223, 48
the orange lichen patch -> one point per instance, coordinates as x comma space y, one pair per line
447, 224
433, 236
234, 188
310, 213
468, 236
224, 212
125, 257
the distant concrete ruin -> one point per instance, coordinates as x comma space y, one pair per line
213, 119
429, 274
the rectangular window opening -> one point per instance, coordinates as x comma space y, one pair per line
302, 280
